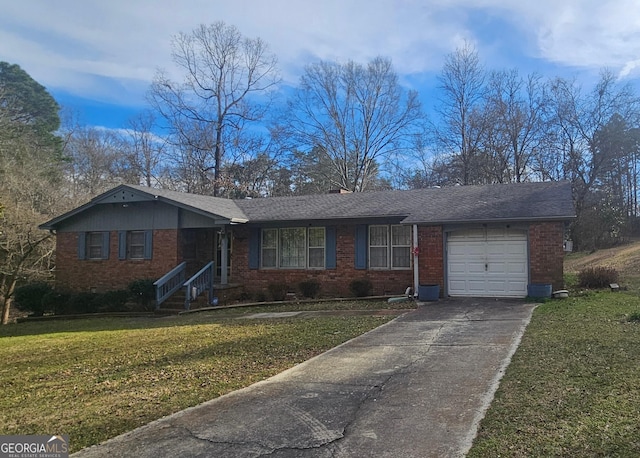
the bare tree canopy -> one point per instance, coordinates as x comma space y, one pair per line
226, 76
461, 127
359, 116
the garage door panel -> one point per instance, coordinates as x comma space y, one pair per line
477, 286
457, 267
466, 250
497, 268
475, 267
490, 264
513, 268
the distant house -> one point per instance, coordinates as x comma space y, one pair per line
490, 240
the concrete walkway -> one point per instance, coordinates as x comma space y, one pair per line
415, 387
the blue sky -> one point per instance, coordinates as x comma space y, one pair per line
98, 58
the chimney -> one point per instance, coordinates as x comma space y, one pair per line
339, 191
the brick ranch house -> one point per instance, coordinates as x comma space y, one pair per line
491, 240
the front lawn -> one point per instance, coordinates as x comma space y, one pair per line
573, 386
96, 378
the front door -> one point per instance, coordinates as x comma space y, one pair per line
203, 245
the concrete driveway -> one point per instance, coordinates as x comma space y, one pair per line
415, 387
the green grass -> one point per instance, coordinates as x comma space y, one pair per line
95, 378
573, 386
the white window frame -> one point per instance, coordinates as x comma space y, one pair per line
322, 247
299, 247
389, 247
278, 253
394, 246
273, 248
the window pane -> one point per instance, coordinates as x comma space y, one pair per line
94, 245
136, 244
293, 247
378, 257
316, 237
316, 247
378, 236
316, 257
269, 238
401, 256
269, 257
401, 235
270, 248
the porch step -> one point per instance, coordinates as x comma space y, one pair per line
175, 303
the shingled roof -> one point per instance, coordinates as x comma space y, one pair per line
500, 202
457, 204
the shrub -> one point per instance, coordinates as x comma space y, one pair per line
143, 292
56, 301
310, 288
278, 291
112, 301
597, 277
361, 287
28, 298
81, 303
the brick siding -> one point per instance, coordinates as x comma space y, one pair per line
431, 256
546, 253
334, 282
75, 274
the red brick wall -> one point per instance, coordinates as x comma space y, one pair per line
546, 253
334, 282
82, 275
431, 257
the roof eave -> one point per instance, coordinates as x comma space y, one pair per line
199, 210
490, 220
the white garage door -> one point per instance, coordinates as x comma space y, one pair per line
487, 262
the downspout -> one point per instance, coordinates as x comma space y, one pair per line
224, 243
416, 252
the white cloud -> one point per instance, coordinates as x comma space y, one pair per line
106, 49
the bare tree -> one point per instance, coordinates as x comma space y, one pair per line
145, 149
96, 161
225, 76
461, 109
518, 111
584, 133
359, 116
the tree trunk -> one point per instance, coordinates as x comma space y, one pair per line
7, 298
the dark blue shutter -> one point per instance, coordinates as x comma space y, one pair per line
330, 248
148, 244
254, 248
361, 246
122, 245
82, 245
105, 245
